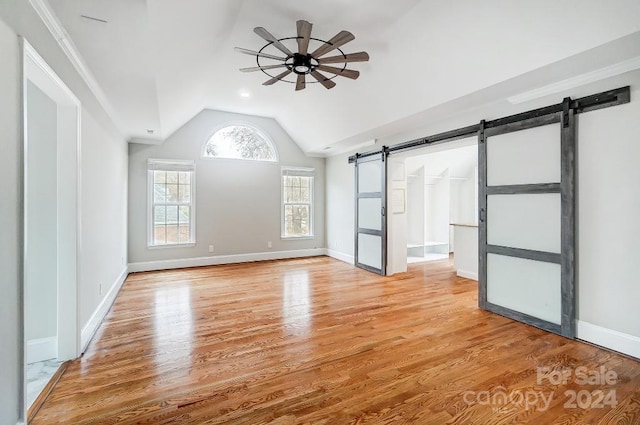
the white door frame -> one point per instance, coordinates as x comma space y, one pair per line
38, 72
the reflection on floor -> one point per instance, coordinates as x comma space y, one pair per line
38, 374
427, 257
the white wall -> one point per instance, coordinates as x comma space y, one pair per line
397, 222
609, 216
416, 217
103, 234
104, 174
464, 199
340, 207
41, 263
437, 200
238, 205
11, 239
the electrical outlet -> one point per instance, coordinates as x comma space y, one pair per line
210, 248
100, 288
269, 244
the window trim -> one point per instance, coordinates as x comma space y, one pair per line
301, 172
170, 165
262, 133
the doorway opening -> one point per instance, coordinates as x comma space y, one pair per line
439, 220
51, 223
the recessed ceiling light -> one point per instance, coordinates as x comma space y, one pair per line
245, 94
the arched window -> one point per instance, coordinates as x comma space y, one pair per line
240, 142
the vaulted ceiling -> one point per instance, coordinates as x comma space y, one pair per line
160, 62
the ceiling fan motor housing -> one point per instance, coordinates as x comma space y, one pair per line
301, 64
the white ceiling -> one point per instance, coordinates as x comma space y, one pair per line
160, 62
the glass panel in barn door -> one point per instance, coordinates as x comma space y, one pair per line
370, 218
526, 221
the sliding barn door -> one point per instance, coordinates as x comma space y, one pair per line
526, 173
370, 215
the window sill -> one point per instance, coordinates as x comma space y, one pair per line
297, 237
174, 245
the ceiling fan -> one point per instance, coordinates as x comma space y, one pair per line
303, 63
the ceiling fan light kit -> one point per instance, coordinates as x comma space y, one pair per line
303, 63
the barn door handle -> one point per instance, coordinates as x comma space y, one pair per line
483, 215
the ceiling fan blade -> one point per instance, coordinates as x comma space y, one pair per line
323, 80
304, 32
260, 68
262, 55
300, 83
277, 78
350, 57
343, 37
349, 73
269, 37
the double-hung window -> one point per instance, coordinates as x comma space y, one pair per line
297, 202
171, 187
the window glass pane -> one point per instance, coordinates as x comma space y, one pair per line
159, 235
159, 193
240, 142
184, 178
159, 215
185, 193
288, 218
184, 214
297, 220
172, 214
159, 176
304, 190
295, 190
172, 193
172, 177
172, 233
286, 188
183, 233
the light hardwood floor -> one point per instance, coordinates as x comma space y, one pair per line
318, 341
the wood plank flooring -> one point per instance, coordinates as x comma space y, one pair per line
318, 341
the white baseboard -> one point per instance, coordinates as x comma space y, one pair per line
608, 338
42, 349
223, 259
90, 328
340, 256
467, 275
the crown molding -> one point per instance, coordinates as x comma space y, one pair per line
578, 80
55, 27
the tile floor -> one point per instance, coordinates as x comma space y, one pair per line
38, 374
427, 257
